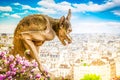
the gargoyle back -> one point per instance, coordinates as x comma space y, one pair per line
35, 22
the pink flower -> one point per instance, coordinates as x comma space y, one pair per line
31, 76
18, 58
6, 62
23, 69
11, 58
38, 75
32, 71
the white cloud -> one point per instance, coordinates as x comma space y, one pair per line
11, 15
92, 7
96, 27
6, 14
82, 7
51, 7
50, 4
117, 12
16, 4
15, 16
88, 7
5, 8
46, 11
28, 7
24, 6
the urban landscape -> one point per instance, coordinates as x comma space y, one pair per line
87, 54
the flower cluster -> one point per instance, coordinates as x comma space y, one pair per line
17, 68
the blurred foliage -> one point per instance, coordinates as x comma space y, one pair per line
91, 77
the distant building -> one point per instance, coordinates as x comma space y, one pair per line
6, 40
118, 66
63, 70
112, 68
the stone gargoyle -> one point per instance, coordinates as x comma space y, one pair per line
32, 31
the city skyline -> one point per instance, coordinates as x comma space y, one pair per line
88, 16
90, 53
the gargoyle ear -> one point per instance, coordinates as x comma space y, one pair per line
62, 19
69, 14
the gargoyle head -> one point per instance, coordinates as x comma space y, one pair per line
65, 29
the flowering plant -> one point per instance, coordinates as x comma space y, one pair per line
17, 68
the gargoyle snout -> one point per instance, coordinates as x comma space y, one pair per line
69, 30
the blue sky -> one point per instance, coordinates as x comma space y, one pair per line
88, 16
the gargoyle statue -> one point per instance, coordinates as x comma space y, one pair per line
32, 31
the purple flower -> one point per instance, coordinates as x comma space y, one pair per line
2, 77
10, 58
20, 62
26, 63
11, 66
13, 73
8, 73
17, 65
2, 55
23, 69
35, 64
10, 78
15, 69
